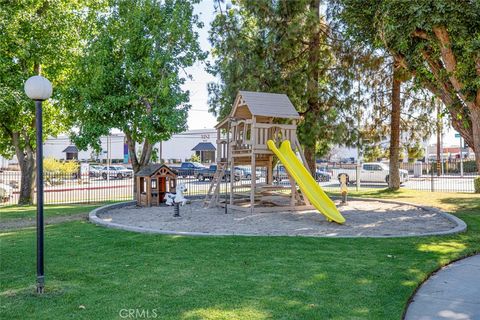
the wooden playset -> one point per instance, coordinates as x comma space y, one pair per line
153, 182
256, 117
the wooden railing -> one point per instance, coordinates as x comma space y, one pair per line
246, 135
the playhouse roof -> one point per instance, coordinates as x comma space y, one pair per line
275, 105
151, 169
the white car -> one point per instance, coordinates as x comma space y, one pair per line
118, 172
6, 192
370, 172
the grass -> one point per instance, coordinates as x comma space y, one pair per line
9, 213
94, 273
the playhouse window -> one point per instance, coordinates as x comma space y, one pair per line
154, 183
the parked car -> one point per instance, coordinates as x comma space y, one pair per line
279, 173
95, 171
187, 169
6, 192
370, 172
246, 173
117, 172
322, 175
207, 174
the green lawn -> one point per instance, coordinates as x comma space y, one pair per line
9, 213
94, 273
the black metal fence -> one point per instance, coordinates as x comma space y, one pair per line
70, 188
93, 186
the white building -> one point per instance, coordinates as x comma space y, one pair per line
178, 148
59, 147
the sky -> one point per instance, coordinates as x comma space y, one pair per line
199, 117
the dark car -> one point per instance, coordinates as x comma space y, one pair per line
208, 173
187, 169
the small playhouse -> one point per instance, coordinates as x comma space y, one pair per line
256, 117
153, 182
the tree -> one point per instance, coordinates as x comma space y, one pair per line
39, 37
372, 153
415, 151
437, 43
129, 77
284, 47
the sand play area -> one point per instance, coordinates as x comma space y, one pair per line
363, 219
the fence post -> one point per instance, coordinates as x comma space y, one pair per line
433, 177
357, 168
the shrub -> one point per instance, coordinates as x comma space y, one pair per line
195, 158
55, 170
476, 184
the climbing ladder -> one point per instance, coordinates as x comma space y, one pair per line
211, 198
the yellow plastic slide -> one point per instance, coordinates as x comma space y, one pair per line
306, 182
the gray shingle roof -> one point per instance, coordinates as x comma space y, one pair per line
269, 104
71, 149
204, 146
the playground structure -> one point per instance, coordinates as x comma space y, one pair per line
249, 136
153, 182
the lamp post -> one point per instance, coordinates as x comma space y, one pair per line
39, 89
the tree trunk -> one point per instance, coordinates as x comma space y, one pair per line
26, 162
312, 85
394, 174
309, 153
475, 115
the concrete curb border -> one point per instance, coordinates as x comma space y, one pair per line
461, 226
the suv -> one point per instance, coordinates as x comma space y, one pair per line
117, 172
207, 173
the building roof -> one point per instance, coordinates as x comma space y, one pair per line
276, 105
204, 146
71, 149
152, 168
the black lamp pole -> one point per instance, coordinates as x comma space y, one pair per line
40, 227
39, 89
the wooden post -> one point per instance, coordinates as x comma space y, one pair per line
139, 200
232, 177
253, 164
219, 147
270, 170
293, 189
149, 191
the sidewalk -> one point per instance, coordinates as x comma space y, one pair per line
451, 293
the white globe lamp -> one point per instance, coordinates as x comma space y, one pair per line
38, 88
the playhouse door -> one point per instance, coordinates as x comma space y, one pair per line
162, 188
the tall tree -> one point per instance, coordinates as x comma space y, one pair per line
285, 47
437, 42
38, 37
130, 76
